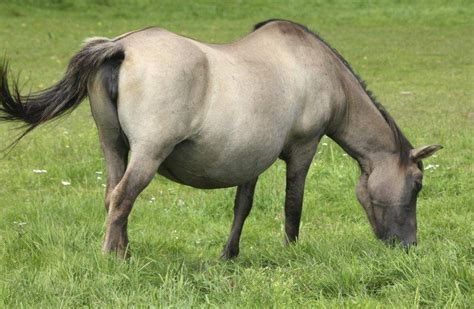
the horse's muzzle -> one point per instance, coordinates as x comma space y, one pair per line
405, 242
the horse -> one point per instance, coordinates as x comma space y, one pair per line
215, 116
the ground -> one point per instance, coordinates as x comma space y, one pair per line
417, 57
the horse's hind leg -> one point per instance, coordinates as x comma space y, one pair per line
143, 166
116, 153
111, 138
298, 162
242, 207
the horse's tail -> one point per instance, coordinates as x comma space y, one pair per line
37, 108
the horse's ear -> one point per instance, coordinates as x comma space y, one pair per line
418, 154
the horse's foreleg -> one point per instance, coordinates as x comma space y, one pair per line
242, 207
140, 171
297, 166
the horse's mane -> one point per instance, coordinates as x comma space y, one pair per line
403, 145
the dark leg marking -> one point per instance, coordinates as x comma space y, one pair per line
298, 163
242, 207
116, 155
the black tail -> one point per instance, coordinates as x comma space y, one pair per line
37, 108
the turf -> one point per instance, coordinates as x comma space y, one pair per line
417, 58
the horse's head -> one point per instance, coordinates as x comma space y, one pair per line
389, 193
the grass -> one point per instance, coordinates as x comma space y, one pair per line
417, 57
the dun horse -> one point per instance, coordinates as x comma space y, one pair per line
216, 116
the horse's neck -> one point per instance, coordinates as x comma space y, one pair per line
361, 130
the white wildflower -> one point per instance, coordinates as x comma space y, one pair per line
40, 171
431, 166
65, 183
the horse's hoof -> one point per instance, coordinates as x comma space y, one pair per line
229, 254
289, 241
120, 253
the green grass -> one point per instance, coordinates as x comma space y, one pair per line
50, 234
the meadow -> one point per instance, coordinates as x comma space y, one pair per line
417, 57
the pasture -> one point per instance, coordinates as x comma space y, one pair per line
417, 58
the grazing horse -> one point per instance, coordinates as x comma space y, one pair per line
216, 116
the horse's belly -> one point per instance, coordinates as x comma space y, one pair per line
190, 178
194, 165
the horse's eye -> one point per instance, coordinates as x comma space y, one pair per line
418, 185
